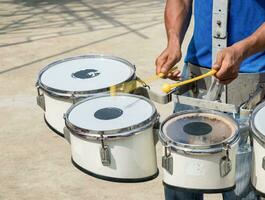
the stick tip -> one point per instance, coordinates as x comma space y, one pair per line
166, 88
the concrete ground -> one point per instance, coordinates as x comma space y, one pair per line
35, 163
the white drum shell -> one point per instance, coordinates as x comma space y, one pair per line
201, 172
258, 173
55, 108
132, 157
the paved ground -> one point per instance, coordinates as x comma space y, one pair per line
35, 163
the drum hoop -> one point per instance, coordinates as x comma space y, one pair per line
115, 133
69, 94
256, 133
198, 149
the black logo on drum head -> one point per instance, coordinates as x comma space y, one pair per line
85, 74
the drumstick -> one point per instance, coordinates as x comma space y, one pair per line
146, 80
158, 76
168, 87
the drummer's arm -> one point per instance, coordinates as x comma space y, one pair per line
254, 43
177, 19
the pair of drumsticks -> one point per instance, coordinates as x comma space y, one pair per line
169, 87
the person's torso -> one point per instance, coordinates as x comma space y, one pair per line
245, 16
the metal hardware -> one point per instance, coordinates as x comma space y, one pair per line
225, 162
143, 83
219, 26
40, 99
263, 163
167, 161
215, 91
104, 153
66, 133
219, 41
206, 104
255, 97
219, 23
156, 129
73, 97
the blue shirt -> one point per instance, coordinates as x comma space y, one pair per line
244, 17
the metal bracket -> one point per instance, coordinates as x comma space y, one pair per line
66, 133
203, 103
104, 153
225, 162
40, 99
219, 26
215, 91
73, 97
167, 161
263, 163
219, 41
143, 83
255, 97
156, 129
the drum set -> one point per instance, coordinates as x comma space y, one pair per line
113, 135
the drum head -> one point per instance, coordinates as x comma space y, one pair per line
199, 129
115, 114
86, 73
258, 120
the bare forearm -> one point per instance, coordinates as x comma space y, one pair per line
177, 19
253, 44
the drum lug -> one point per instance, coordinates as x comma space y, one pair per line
156, 129
167, 161
73, 97
40, 99
67, 134
105, 153
225, 162
263, 163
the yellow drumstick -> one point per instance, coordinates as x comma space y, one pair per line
168, 87
146, 80
161, 75
158, 76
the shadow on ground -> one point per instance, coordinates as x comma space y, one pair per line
38, 20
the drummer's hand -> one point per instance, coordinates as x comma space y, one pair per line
168, 58
228, 63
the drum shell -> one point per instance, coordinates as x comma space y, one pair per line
133, 158
56, 106
258, 173
201, 172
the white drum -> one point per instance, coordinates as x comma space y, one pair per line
257, 123
64, 82
200, 151
112, 137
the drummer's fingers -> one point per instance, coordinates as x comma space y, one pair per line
160, 61
218, 62
175, 75
228, 80
171, 61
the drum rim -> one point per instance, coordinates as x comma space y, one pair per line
198, 149
256, 133
115, 133
65, 93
